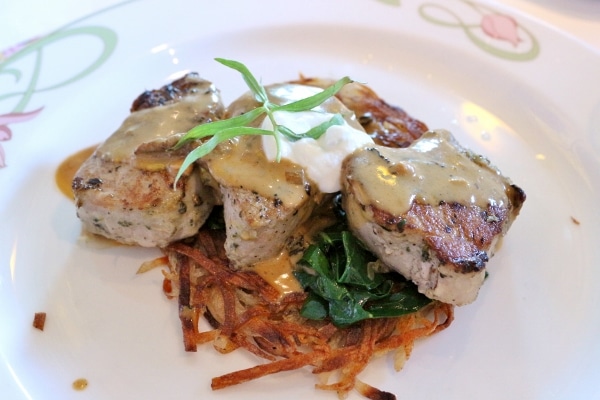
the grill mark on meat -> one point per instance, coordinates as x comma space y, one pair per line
442, 225
92, 183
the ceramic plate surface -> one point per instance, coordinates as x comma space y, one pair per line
508, 87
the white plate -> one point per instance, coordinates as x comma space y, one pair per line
531, 334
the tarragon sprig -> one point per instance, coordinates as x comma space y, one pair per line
238, 126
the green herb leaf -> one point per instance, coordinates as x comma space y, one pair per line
316, 99
318, 131
210, 129
288, 133
314, 133
218, 137
259, 91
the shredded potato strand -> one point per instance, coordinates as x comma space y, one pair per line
246, 312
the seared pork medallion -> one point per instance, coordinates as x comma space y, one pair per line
125, 192
264, 202
434, 212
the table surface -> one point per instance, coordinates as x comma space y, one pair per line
24, 19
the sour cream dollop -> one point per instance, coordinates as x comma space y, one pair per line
322, 158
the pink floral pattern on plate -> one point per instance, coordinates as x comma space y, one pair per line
503, 27
494, 32
6, 133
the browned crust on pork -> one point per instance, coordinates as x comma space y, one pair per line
388, 125
132, 195
458, 235
167, 94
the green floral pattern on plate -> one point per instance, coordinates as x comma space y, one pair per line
35, 48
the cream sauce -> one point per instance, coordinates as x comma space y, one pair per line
278, 272
80, 384
66, 170
241, 163
156, 123
321, 158
434, 168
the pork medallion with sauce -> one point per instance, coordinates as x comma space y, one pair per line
434, 212
125, 192
264, 201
